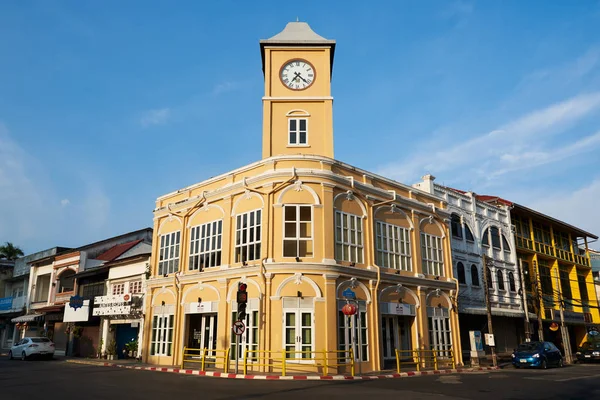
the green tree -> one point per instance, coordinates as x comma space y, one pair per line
10, 251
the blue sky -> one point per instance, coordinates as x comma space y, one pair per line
104, 106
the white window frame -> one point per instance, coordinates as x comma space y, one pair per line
161, 339
349, 241
391, 240
168, 261
249, 231
297, 132
348, 329
205, 244
297, 238
440, 330
432, 254
300, 358
249, 339
135, 287
118, 288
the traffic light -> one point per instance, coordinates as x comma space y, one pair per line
242, 300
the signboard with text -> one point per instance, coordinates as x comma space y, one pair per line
6, 303
112, 305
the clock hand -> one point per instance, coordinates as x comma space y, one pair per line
298, 76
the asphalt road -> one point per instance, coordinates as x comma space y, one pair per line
66, 381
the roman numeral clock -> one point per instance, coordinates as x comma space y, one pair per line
297, 74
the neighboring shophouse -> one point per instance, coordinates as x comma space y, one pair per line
299, 228
478, 229
121, 306
55, 279
557, 274
16, 319
6, 300
595, 263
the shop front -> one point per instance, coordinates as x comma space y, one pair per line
121, 324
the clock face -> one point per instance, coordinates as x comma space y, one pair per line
297, 74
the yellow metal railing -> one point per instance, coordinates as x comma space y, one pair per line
279, 359
425, 358
206, 356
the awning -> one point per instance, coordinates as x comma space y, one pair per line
27, 318
496, 312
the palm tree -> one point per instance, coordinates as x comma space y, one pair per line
10, 251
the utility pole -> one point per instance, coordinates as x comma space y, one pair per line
488, 307
524, 301
539, 301
564, 332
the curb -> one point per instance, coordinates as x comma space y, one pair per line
215, 374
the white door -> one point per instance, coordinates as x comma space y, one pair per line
298, 339
209, 333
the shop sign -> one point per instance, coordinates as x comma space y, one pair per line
6, 303
76, 302
198, 308
112, 305
398, 309
79, 314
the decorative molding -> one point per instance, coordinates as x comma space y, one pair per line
298, 186
297, 278
357, 283
199, 286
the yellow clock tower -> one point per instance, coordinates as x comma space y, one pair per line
297, 105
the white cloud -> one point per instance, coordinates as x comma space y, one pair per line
578, 207
498, 151
155, 117
225, 87
31, 213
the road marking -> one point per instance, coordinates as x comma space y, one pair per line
577, 377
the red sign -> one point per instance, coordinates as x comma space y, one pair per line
238, 327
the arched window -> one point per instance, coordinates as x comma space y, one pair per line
495, 233
66, 281
500, 277
460, 273
468, 233
485, 240
474, 275
489, 278
456, 226
511, 282
505, 243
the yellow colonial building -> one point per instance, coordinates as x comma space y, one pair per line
300, 228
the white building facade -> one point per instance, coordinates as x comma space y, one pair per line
478, 229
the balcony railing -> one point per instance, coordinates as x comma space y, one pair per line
549, 250
544, 248
582, 260
524, 243
565, 255
63, 297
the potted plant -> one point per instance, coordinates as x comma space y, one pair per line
112, 349
131, 348
100, 345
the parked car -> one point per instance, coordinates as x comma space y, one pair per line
537, 354
32, 346
589, 351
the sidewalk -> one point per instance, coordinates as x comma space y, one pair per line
132, 364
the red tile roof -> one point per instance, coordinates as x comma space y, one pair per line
117, 250
493, 199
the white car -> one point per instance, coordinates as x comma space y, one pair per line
32, 346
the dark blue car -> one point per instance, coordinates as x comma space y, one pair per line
537, 354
